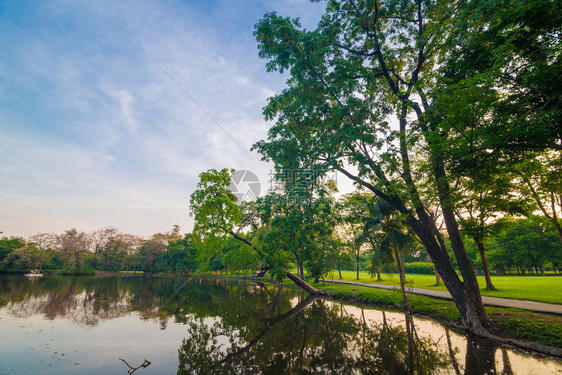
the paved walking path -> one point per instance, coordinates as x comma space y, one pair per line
492, 301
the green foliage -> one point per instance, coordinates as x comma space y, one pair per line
27, 257
367, 65
527, 328
114, 255
504, 71
149, 253
239, 257
80, 270
525, 243
299, 231
538, 178
420, 267
217, 216
214, 207
180, 256
8, 245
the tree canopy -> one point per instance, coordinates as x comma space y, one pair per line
376, 92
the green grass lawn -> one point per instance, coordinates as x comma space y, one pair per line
533, 288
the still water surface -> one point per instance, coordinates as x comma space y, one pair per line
85, 325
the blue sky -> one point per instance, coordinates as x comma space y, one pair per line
93, 133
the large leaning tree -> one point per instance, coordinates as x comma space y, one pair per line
361, 99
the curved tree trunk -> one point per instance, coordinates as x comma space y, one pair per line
294, 278
304, 285
263, 271
466, 293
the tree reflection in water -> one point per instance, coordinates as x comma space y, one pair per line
244, 328
312, 337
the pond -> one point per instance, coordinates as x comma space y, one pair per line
110, 325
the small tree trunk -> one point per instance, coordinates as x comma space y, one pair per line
40, 263
357, 259
402, 275
485, 268
558, 228
438, 280
339, 270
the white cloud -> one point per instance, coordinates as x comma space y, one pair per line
96, 134
125, 101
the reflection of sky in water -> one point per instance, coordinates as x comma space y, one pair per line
37, 346
80, 338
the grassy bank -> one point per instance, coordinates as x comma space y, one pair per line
533, 288
523, 325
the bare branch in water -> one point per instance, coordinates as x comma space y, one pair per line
132, 369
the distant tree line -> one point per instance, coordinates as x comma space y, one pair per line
104, 249
517, 246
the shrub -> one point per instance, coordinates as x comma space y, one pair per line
420, 267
